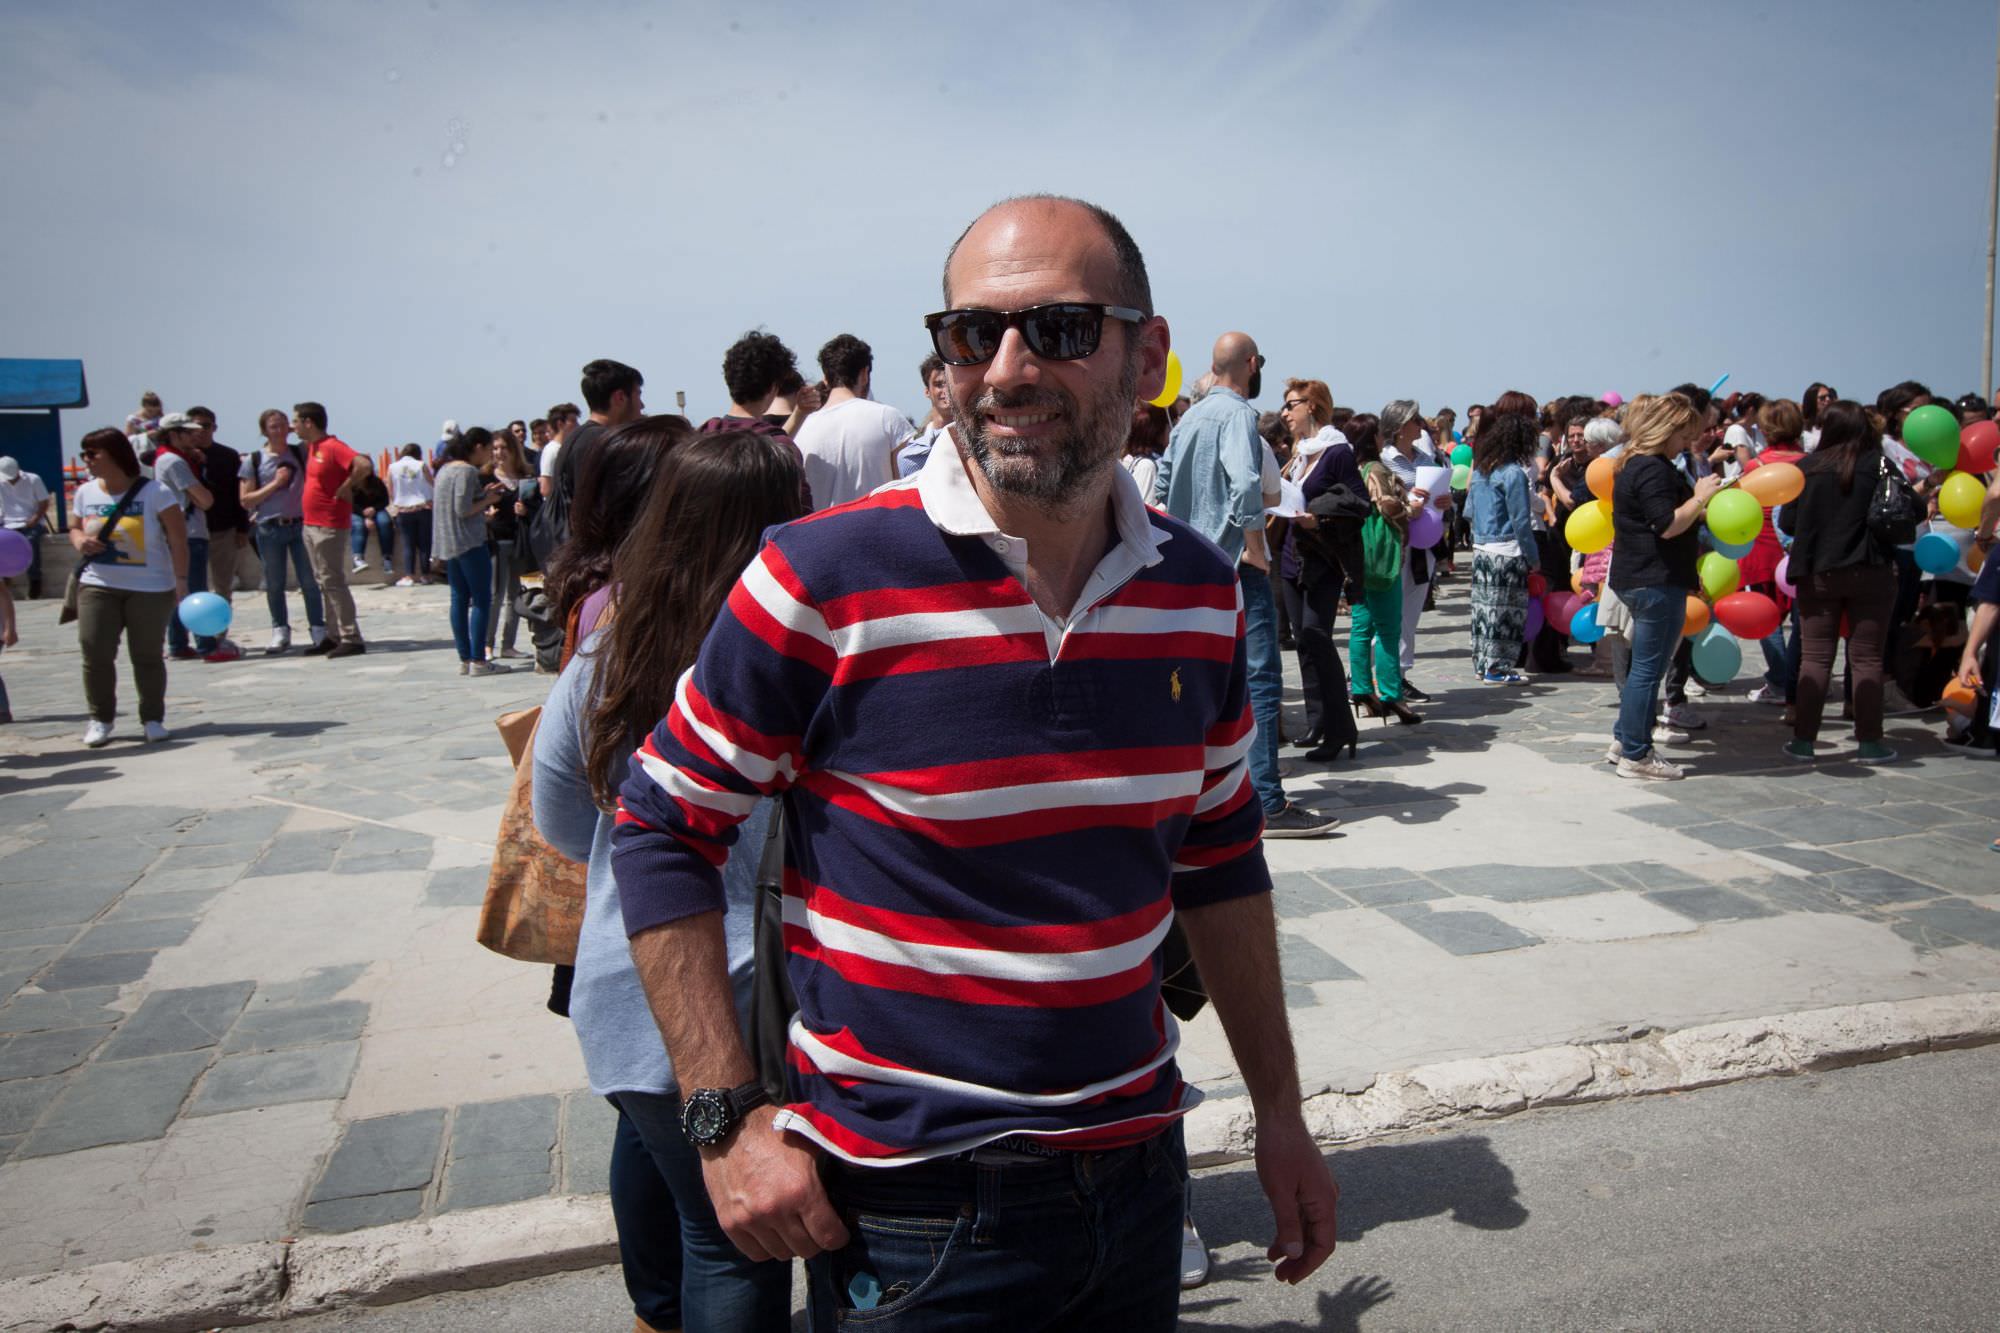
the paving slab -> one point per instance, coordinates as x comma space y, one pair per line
33, 1054
179, 1020
116, 1102
271, 1078
276, 1027
386, 1155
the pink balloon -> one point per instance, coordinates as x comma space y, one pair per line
1784, 577
1613, 399
1558, 607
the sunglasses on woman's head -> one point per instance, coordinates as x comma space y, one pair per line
1063, 331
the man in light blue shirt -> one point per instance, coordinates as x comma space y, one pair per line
1213, 478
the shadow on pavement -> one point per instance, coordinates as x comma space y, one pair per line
1338, 1311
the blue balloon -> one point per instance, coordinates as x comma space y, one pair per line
1583, 626
1734, 550
1936, 553
1717, 655
204, 613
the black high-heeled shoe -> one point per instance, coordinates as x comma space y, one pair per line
1403, 712
1327, 754
1312, 738
1368, 705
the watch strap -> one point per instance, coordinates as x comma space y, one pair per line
746, 1098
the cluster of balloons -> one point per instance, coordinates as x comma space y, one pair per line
1932, 433
1461, 466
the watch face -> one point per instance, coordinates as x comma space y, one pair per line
707, 1118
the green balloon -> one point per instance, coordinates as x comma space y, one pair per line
1461, 476
1461, 454
1718, 574
1735, 517
1931, 432
1717, 655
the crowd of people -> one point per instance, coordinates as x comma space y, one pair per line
972, 1113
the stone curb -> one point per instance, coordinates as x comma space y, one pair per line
488, 1247
1698, 1057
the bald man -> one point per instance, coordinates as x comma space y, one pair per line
1217, 476
982, 1063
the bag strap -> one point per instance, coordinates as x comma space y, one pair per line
117, 512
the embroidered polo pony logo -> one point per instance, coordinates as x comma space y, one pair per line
1174, 684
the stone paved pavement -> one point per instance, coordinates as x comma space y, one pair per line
239, 996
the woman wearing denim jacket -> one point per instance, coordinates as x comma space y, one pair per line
709, 503
1503, 545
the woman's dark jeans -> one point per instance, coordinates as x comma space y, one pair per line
471, 576
277, 542
385, 534
413, 552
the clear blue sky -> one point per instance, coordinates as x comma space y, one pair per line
413, 212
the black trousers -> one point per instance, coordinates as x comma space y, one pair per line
1329, 715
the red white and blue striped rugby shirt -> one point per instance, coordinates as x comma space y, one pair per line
986, 838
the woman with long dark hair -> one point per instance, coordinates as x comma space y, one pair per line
611, 485
1815, 400
699, 528
1503, 544
131, 541
1841, 570
506, 529
458, 537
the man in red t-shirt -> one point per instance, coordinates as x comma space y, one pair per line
332, 472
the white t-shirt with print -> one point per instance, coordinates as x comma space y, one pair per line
408, 486
847, 449
138, 559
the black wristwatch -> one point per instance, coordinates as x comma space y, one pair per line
709, 1114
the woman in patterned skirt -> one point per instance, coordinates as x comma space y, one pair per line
1503, 544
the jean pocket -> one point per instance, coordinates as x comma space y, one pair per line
895, 1261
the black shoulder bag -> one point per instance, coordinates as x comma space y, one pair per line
74, 586
1894, 511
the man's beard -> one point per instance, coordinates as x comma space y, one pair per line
1092, 437
1256, 383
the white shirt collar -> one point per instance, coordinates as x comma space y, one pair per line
953, 504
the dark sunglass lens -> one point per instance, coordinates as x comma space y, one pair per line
1062, 332
969, 337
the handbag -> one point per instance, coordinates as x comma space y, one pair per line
533, 909
74, 586
1894, 511
772, 1000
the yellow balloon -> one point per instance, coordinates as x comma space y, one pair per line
1774, 484
1589, 528
1173, 386
1960, 499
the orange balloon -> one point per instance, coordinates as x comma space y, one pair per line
1774, 484
1599, 476
1958, 698
1697, 618
1974, 557
1576, 581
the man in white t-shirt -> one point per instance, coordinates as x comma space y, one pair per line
563, 418
850, 443
24, 508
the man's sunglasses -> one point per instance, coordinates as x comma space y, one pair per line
1065, 331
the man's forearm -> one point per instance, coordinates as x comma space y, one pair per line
684, 967
1235, 945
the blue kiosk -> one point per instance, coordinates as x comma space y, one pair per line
32, 396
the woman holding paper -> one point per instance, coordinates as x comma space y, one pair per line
1310, 574
1405, 451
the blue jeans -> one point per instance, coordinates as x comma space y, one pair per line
275, 543
1077, 1240
1267, 684
674, 1236
470, 574
177, 634
385, 534
1657, 617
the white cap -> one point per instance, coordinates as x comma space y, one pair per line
10, 469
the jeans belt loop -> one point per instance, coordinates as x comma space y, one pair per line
986, 1202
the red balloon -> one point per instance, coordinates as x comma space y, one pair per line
1538, 585
1749, 615
1978, 444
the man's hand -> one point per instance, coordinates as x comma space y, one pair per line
1968, 671
767, 1193
1302, 1194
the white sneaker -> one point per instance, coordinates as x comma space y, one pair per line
406, 582
359, 566
157, 732
1695, 687
97, 735
1666, 735
318, 635
1768, 694
1194, 1256
465, 668
281, 639
1613, 753
1682, 716
1652, 769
